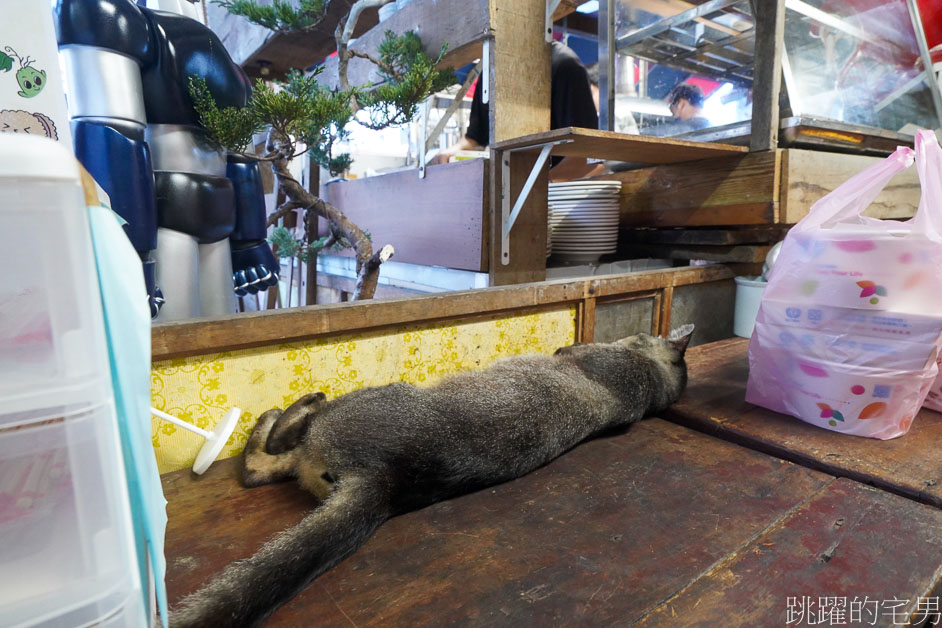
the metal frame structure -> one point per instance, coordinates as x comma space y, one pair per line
733, 58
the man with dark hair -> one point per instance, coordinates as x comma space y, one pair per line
570, 105
686, 105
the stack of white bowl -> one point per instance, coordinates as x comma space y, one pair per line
583, 219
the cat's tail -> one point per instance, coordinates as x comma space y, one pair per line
248, 591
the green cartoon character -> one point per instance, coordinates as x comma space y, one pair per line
30, 79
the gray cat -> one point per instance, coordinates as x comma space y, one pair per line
381, 451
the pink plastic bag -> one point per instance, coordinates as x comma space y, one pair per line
850, 324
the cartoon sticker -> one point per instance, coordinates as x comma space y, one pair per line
19, 121
30, 80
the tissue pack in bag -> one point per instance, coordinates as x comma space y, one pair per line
848, 332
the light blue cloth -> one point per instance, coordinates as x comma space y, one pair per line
127, 326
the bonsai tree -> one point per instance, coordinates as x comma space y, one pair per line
303, 116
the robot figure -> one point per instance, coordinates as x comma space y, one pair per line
195, 215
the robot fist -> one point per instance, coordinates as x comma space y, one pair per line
254, 268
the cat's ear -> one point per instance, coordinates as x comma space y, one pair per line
568, 349
680, 337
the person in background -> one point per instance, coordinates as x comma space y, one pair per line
571, 104
686, 105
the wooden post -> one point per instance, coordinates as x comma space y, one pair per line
770, 39
519, 79
666, 302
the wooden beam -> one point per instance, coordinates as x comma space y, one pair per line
711, 192
461, 24
257, 329
808, 175
665, 303
770, 37
567, 7
587, 321
527, 255
519, 76
248, 44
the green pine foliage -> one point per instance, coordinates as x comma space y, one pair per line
316, 116
229, 128
281, 15
409, 77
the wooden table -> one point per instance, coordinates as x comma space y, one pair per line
660, 525
715, 403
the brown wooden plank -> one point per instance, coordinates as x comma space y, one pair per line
526, 259
713, 237
243, 331
722, 191
593, 143
700, 216
715, 403
436, 221
248, 44
567, 7
587, 321
741, 253
767, 81
808, 175
519, 77
601, 536
850, 542
461, 24
664, 312
519, 71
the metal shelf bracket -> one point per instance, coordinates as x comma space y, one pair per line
509, 216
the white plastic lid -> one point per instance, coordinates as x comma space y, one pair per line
30, 156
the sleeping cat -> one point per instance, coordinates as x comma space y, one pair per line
381, 451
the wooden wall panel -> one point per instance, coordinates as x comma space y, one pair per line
438, 220
808, 175
719, 191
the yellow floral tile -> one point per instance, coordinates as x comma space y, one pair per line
200, 389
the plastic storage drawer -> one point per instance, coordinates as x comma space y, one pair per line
66, 554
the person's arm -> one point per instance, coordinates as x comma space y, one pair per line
571, 168
465, 143
476, 135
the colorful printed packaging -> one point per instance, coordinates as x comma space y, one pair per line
850, 325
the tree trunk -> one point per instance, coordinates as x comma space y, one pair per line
340, 226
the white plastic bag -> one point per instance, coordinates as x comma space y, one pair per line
850, 325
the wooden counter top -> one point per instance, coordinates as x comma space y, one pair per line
715, 403
651, 525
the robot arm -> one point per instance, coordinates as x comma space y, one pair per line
254, 266
104, 44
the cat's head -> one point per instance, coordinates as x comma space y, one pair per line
666, 351
668, 354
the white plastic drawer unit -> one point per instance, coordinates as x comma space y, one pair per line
65, 546
50, 309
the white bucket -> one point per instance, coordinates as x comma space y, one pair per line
748, 296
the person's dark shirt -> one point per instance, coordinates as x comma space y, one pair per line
571, 101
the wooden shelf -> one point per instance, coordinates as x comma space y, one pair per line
463, 31
595, 144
